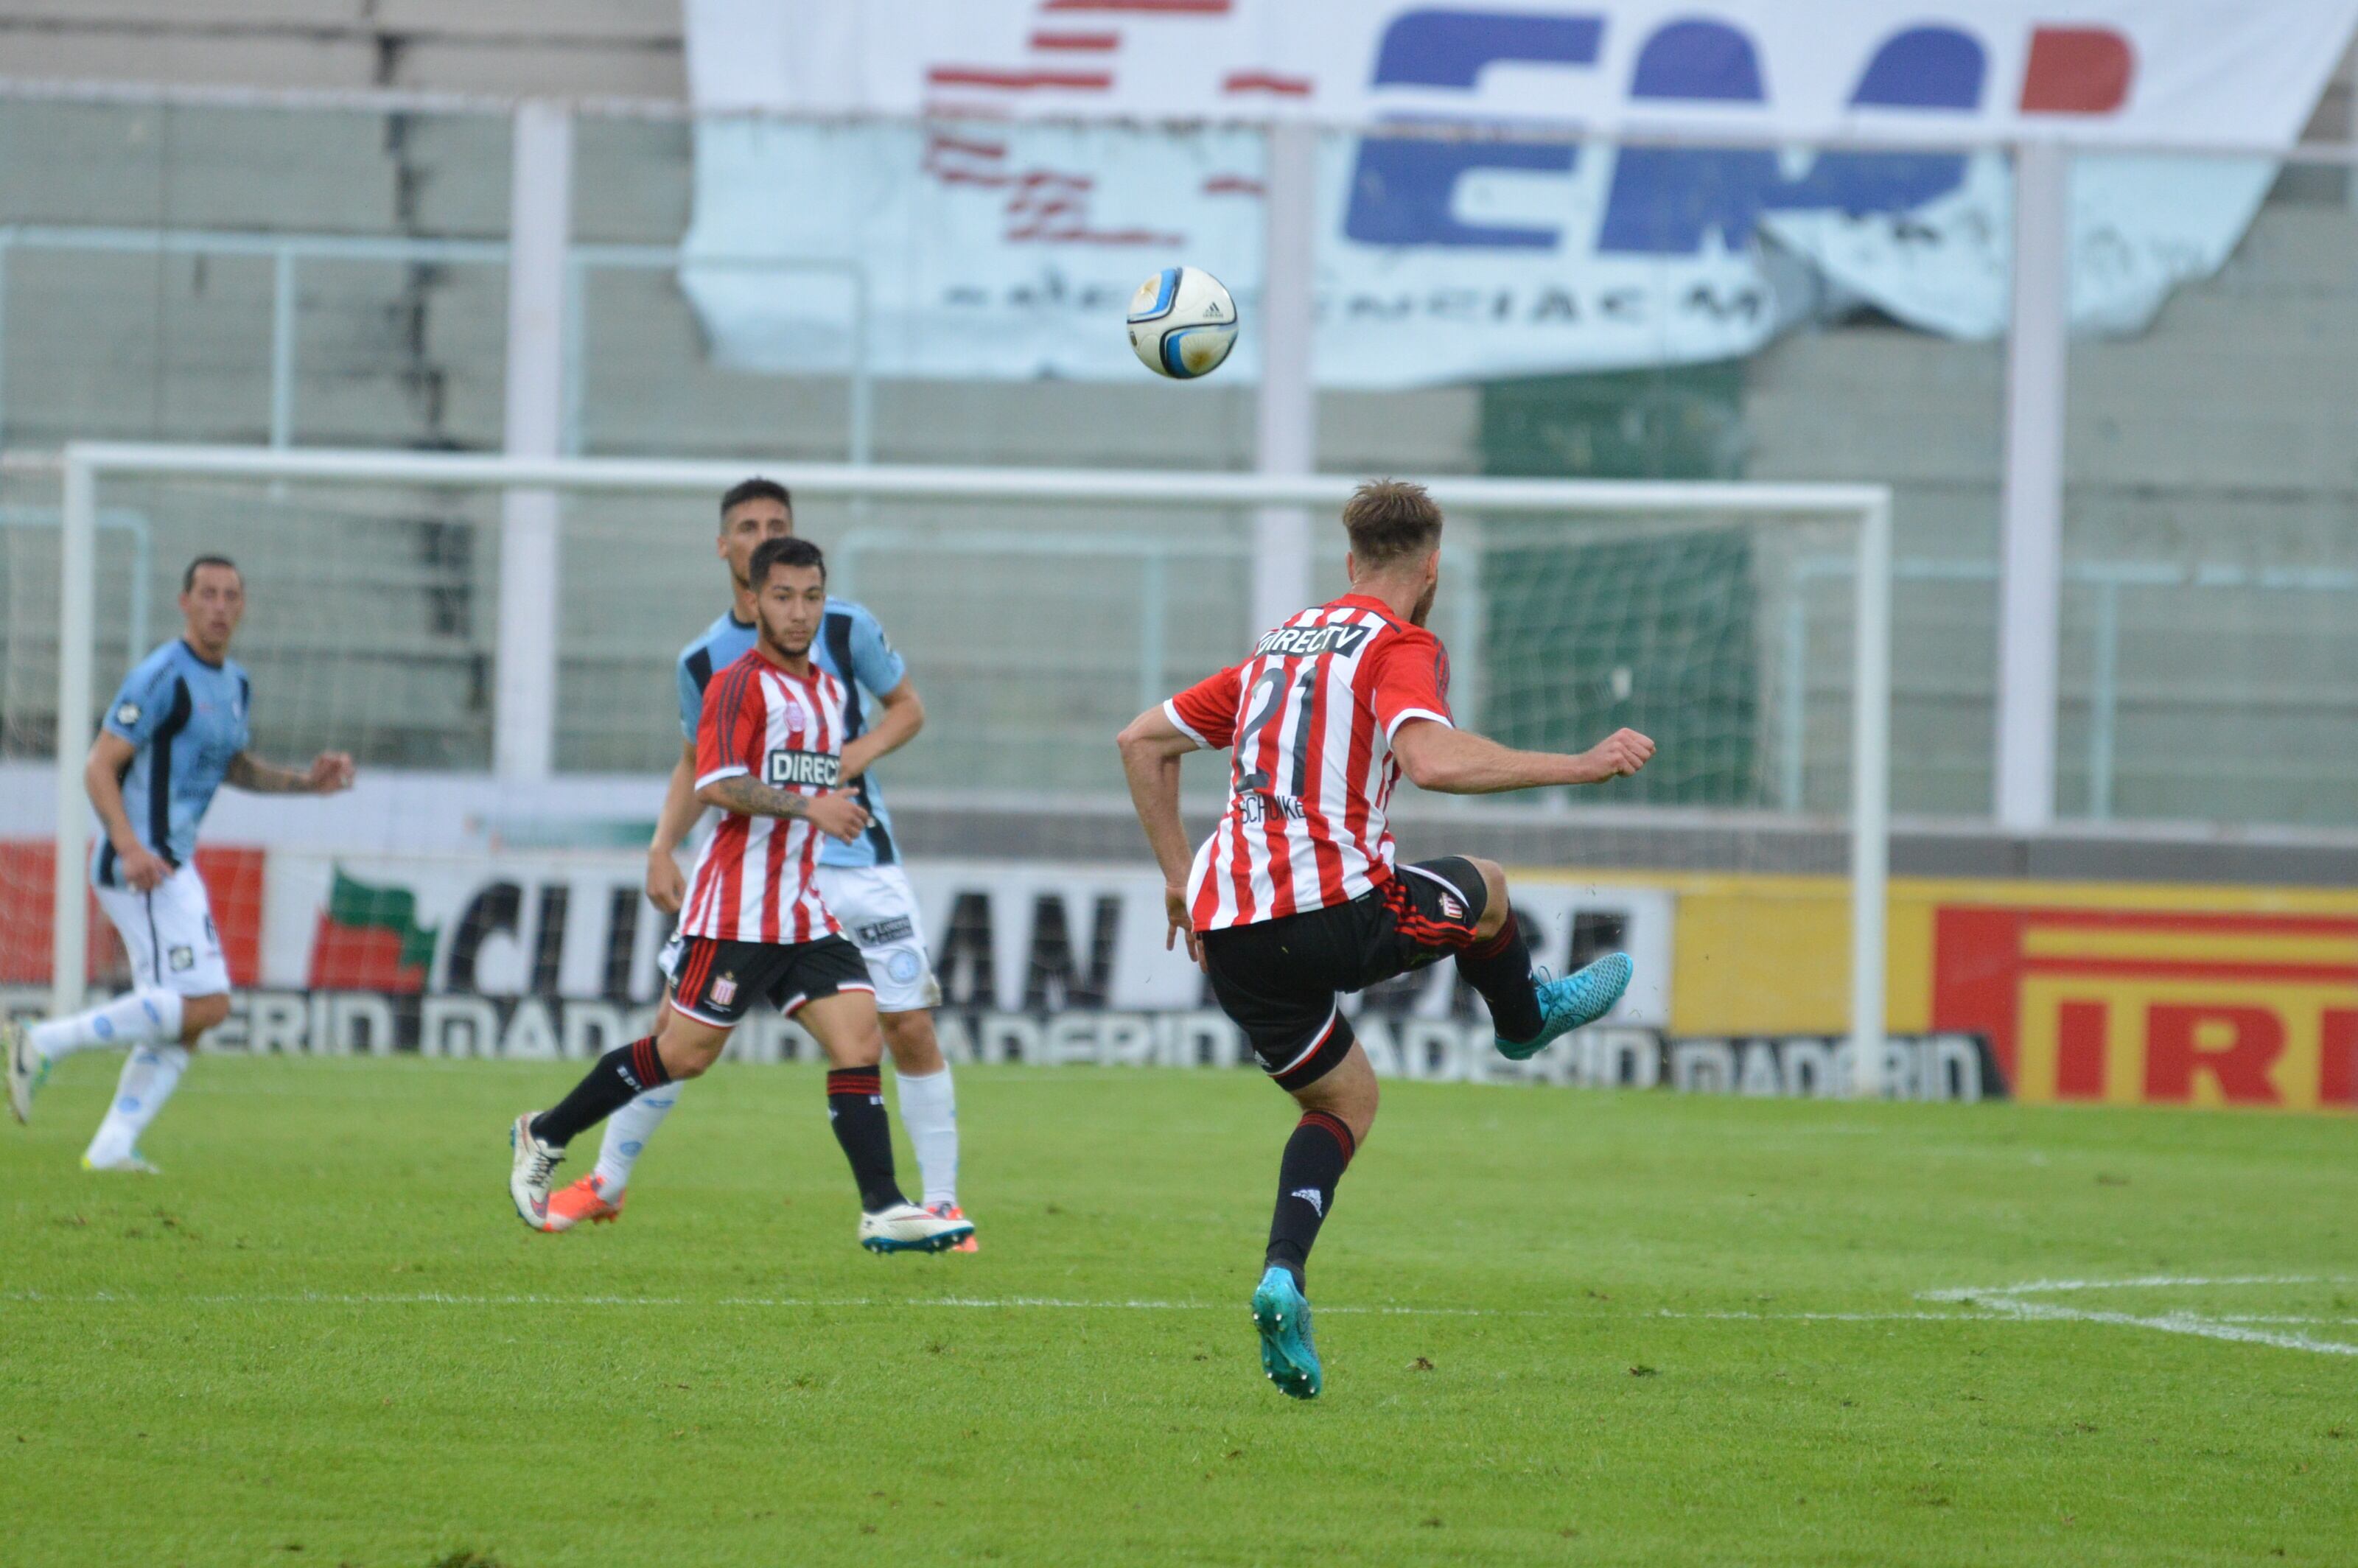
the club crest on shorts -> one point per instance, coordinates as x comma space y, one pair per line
724, 990
183, 958
1451, 907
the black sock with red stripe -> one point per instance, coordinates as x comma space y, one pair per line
1500, 970
855, 1108
619, 1077
1314, 1160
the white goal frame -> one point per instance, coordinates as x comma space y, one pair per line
85, 464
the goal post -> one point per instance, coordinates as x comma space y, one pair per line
87, 468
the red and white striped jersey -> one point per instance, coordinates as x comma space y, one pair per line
1311, 716
753, 878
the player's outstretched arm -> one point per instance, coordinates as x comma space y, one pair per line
1151, 749
329, 772
101, 777
904, 716
1454, 761
835, 814
666, 888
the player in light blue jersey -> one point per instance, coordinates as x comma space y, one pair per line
863, 883
174, 733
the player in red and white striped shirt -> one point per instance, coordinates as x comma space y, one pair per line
752, 880
770, 754
1296, 896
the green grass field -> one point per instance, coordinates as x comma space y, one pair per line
1559, 1327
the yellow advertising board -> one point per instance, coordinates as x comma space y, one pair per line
2086, 991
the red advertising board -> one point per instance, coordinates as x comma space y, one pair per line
2155, 1006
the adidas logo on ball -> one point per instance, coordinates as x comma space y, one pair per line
1183, 322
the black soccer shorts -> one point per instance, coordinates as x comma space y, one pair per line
1278, 979
715, 982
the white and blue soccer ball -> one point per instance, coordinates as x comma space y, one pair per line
1183, 322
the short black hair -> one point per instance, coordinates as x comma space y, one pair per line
755, 489
786, 552
188, 578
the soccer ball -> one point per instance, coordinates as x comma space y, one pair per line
1182, 322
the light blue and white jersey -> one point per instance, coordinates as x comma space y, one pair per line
850, 646
188, 719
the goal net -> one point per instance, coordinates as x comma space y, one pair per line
494, 641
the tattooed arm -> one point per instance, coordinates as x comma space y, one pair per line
835, 814
328, 771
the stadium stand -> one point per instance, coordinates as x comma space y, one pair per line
2212, 440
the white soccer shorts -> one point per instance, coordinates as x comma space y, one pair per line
878, 910
169, 935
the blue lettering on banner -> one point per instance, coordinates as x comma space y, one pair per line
1662, 201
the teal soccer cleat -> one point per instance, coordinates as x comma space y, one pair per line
1283, 1315
28, 1068
1573, 1002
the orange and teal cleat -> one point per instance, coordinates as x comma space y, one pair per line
952, 1211
584, 1200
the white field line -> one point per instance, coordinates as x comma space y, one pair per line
984, 1304
2173, 1323
2143, 1282
2002, 1303
2011, 1301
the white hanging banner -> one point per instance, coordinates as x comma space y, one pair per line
987, 244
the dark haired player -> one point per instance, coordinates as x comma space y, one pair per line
861, 880
769, 753
174, 733
1295, 896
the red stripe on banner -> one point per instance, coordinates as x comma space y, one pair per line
1020, 80
2179, 920
1091, 43
2190, 968
1262, 82
1164, 7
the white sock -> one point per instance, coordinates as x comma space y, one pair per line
138, 1019
148, 1079
929, 1110
627, 1132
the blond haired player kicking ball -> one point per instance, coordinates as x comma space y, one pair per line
770, 754
1296, 896
861, 880
174, 733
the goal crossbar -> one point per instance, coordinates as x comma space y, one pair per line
83, 465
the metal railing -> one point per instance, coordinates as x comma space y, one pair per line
118, 520
1152, 555
287, 252
2106, 578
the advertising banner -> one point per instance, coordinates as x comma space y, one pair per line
989, 242
1012, 935
2093, 992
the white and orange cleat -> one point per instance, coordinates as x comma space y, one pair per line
584, 1200
952, 1211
